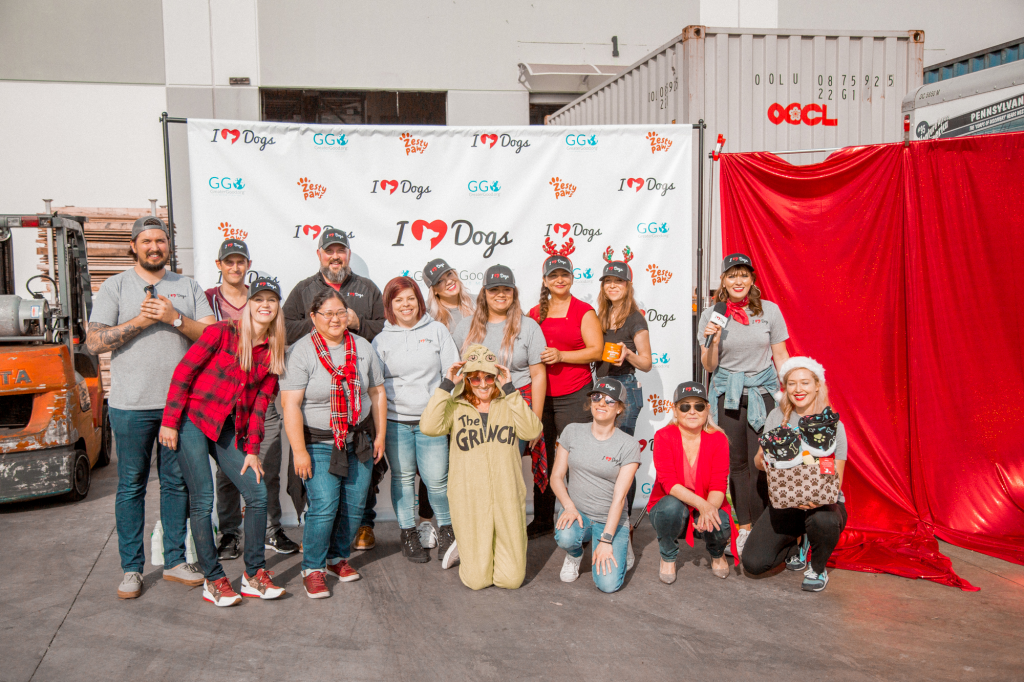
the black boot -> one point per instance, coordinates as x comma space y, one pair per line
447, 547
411, 547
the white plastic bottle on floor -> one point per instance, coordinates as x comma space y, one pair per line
157, 544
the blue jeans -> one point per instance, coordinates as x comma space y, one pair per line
194, 452
135, 432
571, 539
335, 506
634, 402
670, 518
408, 449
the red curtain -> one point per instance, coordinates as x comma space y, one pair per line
840, 246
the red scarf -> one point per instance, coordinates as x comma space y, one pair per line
345, 386
736, 311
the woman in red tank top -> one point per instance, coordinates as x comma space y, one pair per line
574, 340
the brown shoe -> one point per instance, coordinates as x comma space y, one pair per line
364, 539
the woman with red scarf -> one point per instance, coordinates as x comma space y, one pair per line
335, 415
743, 379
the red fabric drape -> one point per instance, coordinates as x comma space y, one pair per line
831, 247
965, 255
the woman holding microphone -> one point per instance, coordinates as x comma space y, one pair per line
574, 340
740, 359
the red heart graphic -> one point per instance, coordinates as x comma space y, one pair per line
639, 182
385, 183
643, 444
561, 227
493, 138
235, 134
438, 226
315, 229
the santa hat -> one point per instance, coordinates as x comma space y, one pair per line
800, 362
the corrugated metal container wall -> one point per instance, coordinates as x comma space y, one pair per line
765, 90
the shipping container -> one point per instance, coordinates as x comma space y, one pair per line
764, 90
988, 101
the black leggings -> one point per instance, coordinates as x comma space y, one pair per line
748, 485
559, 412
775, 534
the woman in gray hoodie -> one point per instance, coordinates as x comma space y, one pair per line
416, 350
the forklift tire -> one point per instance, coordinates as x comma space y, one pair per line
107, 442
81, 477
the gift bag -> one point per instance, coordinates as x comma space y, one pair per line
802, 485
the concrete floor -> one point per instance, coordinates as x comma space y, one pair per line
60, 618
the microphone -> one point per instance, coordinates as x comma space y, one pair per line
717, 317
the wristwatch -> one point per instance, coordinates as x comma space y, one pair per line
607, 537
177, 322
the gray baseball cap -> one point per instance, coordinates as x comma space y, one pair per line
149, 222
435, 270
690, 389
612, 388
230, 246
618, 269
334, 236
264, 283
499, 276
557, 263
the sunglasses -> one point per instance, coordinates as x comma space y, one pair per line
597, 397
150, 290
685, 407
487, 379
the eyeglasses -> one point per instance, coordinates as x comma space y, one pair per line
481, 380
685, 407
597, 397
339, 314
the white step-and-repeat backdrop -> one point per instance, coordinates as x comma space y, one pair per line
474, 196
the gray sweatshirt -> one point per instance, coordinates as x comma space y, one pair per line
415, 361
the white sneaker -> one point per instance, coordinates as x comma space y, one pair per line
428, 535
630, 558
741, 539
187, 574
570, 569
131, 586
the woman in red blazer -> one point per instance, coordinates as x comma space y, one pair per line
691, 456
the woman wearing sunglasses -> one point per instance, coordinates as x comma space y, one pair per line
486, 418
691, 457
600, 461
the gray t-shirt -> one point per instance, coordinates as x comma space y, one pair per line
774, 420
455, 318
747, 348
141, 370
593, 467
526, 349
303, 370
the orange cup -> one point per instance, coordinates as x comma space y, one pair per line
611, 352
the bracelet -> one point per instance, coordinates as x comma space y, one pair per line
607, 542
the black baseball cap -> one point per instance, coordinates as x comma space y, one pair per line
612, 388
690, 389
264, 283
149, 222
499, 276
557, 263
231, 246
434, 270
734, 259
617, 268
333, 235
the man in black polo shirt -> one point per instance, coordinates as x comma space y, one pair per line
365, 318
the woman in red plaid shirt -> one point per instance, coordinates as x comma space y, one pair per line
218, 398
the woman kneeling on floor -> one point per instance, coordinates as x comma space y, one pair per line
601, 461
805, 421
691, 457
218, 398
486, 493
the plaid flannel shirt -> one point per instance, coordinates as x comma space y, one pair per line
208, 383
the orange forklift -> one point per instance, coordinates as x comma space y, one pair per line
54, 426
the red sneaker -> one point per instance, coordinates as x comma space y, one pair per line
220, 593
315, 585
260, 586
343, 571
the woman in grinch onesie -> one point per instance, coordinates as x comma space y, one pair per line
486, 492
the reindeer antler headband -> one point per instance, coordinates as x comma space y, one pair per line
564, 250
609, 254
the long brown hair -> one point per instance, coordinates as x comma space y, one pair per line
439, 311
472, 397
275, 336
478, 327
821, 400
754, 297
613, 315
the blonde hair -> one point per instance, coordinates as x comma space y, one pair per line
275, 337
478, 327
821, 400
613, 315
439, 311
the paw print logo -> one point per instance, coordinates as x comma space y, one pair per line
412, 145
232, 232
659, 404
562, 188
658, 144
311, 190
658, 276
